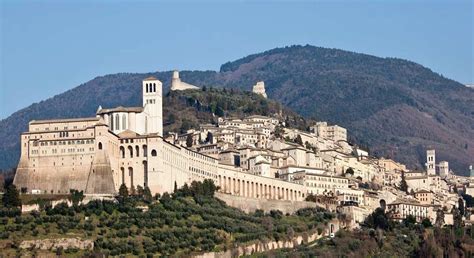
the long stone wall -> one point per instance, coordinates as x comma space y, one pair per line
264, 246
248, 204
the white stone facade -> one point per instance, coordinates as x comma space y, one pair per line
99, 154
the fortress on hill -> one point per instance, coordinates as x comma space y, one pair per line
125, 145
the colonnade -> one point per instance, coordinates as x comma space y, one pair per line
246, 188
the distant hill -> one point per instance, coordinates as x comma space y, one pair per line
397, 107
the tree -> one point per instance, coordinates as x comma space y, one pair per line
461, 206
140, 191
298, 140
409, 221
123, 191
147, 197
469, 200
189, 141
209, 137
11, 198
278, 131
350, 171
378, 219
457, 217
403, 184
2, 182
76, 197
426, 223
439, 222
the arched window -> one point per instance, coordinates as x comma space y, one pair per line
130, 150
145, 174
146, 85
122, 152
124, 122
145, 151
153, 153
100, 146
130, 174
123, 175
117, 122
154, 87
111, 122
137, 151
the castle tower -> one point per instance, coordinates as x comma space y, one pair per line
152, 104
431, 162
259, 88
443, 169
177, 84
175, 80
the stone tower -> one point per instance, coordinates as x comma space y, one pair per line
443, 169
152, 104
177, 84
259, 88
431, 162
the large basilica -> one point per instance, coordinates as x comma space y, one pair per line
125, 145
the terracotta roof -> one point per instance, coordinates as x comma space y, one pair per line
151, 78
294, 147
127, 134
416, 177
66, 120
229, 150
120, 109
423, 191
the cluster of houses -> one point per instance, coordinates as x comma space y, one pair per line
331, 169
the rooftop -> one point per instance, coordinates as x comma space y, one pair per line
66, 120
120, 109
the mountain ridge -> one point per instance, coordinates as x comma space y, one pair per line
369, 95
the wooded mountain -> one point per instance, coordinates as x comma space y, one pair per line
397, 107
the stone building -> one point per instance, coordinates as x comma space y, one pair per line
125, 145
333, 132
259, 89
177, 84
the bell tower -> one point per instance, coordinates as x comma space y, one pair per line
431, 162
152, 105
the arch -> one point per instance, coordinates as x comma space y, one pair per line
137, 151
122, 152
100, 146
117, 122
145, 173
153, 153
154, 87
124, 122
383, 204
130, 174
130, 151
111, 122
145, 150
123, 175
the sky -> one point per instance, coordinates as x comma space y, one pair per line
48, 47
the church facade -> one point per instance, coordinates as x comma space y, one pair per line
125, 145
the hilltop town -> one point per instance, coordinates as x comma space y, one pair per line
255, 157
